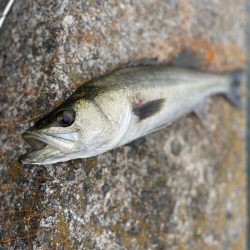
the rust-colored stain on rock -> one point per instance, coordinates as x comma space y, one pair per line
183, 187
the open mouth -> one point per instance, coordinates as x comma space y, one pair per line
46, 148
35, 142
41, 148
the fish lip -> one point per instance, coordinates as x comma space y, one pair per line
38, 136
52, 140
38, 156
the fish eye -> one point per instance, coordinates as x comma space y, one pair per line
65, 117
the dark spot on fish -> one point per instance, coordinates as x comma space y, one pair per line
148, 109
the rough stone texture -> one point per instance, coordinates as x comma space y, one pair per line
180, 188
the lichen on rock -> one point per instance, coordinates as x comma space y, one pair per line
180, 188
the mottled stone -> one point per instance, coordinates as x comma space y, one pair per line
151, 193
176, 147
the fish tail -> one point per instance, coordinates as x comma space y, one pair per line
234, 94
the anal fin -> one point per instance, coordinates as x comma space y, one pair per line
201, 111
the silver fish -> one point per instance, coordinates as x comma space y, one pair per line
121, 107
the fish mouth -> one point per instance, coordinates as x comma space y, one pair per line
34, 141
44, 148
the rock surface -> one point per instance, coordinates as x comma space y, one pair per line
183, 187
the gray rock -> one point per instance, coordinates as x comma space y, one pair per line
144, 195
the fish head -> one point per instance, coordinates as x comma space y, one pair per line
77, 129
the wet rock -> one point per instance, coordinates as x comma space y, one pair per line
180, 188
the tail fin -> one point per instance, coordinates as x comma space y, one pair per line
234, 95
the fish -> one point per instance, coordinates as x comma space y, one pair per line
122, 106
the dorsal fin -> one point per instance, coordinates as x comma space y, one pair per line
187, 59
140, 62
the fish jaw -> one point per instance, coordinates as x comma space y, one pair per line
40, 157
47, 148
